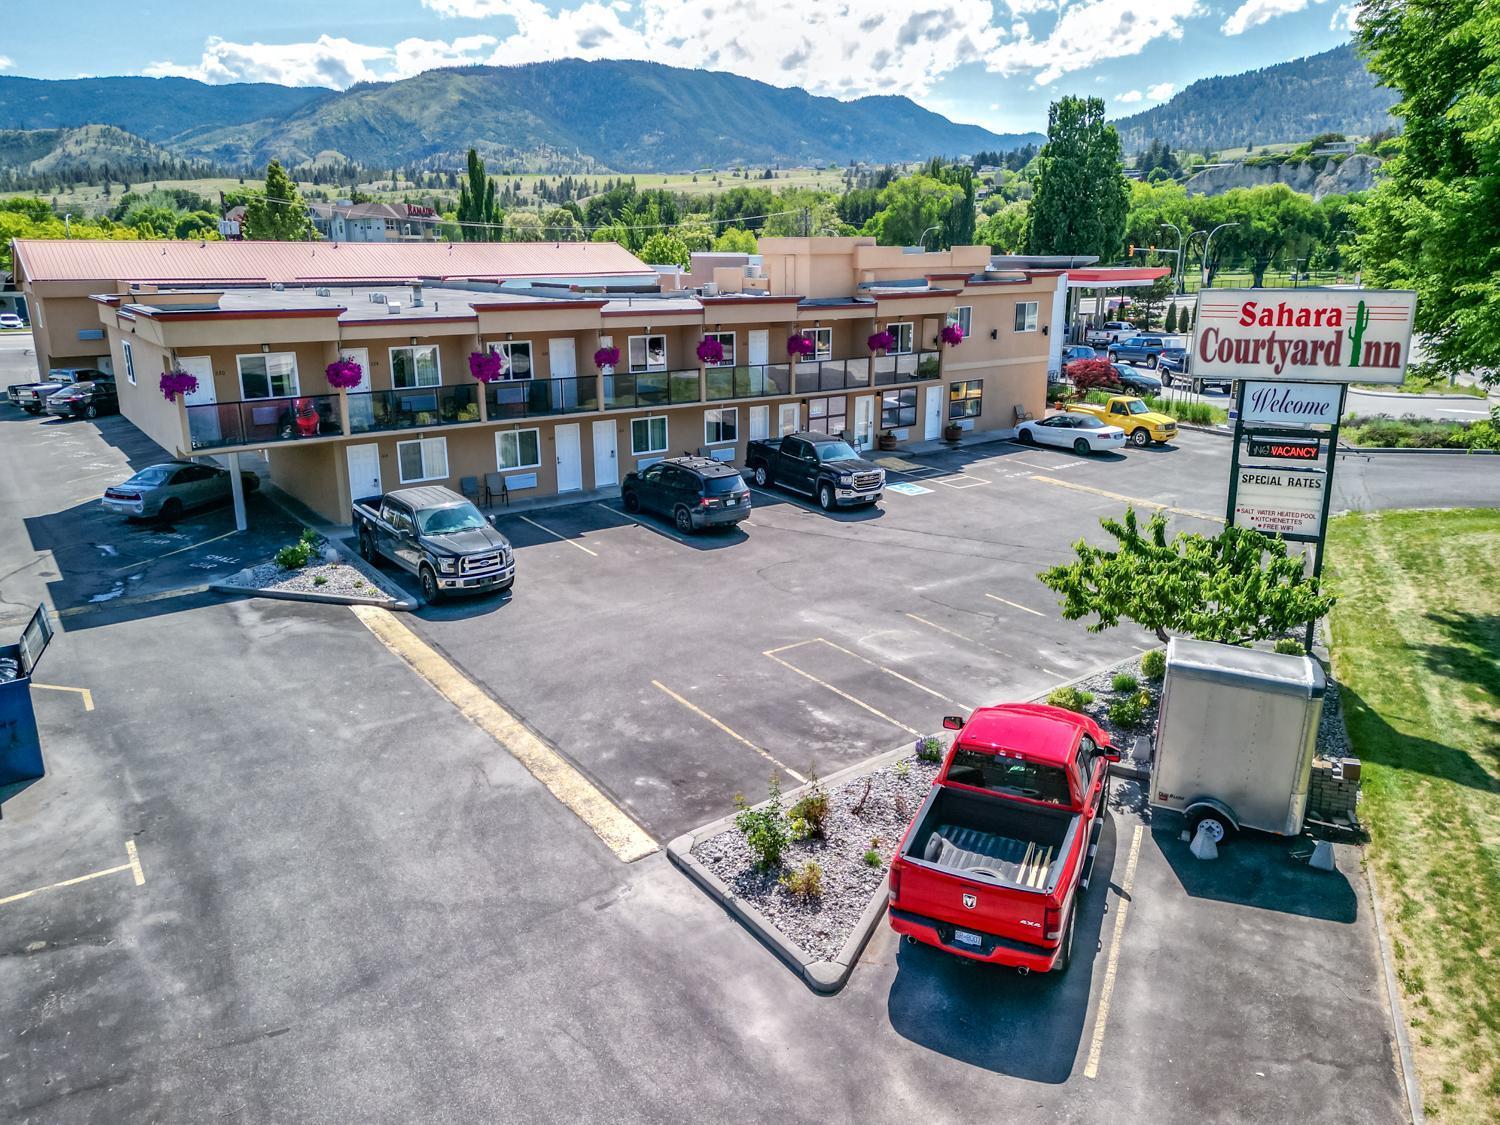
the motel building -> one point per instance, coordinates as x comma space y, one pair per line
259, 324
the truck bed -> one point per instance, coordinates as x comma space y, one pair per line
1000, 843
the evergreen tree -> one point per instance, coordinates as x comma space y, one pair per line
278, 213
476, 203
1080, 197
1171, 325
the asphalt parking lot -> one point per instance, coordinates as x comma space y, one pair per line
344, 901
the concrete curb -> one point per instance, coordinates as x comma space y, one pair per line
304, 596
1418, 398
1347, 449
1222, 431
826, 977
1404, 1054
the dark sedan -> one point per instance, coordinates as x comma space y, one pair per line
1137, 381
85, 400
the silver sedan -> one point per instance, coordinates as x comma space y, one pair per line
171, 488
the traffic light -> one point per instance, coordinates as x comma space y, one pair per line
1132, 251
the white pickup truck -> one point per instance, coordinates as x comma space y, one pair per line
1111, 332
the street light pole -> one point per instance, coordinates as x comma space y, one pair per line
1181, 250
922, 238
1206, 243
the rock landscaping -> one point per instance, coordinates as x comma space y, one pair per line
310, 566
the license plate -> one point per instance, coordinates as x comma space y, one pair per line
966, 938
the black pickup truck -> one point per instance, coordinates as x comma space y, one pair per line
815, 464
436, 534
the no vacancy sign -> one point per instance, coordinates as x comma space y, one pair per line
1276, 501
1306, 335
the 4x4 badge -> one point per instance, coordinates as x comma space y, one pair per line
971, 901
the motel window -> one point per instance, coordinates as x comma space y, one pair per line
517, 356
1025, 316
648, 435
518, 449
129, 361
963, 316
721, 425
726, 341
822, 339
422, 459
828, 415
648, 353
903, 334
898, 408
268, 375
415, 367
966, 399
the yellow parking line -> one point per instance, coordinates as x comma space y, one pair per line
702, 714
1014, 605
133, 864
898, 675
88, 696
555, 535
1091, 1069
1137, 501
121, 603
609, 822
841, 693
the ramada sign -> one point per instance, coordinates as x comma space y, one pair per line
1308, 335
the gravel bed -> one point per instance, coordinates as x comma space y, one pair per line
821, 927
337, 578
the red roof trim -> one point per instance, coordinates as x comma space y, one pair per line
388, 319
919, 293
240, 314
737, 299
532, 306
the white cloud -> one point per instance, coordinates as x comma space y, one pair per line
1253, 13
1089, 32
5, 63
1160, 92
1346, 17
1129, 96
339, 63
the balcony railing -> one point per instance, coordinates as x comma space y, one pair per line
630, 389
263, 421
749, 381
538, 398
411, 407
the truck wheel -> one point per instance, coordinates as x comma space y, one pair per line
366, 547
1218, 825
1140, 437
431, 592
760, 476
1081, 446
1065, 957
1197, 386
1166, 378
1112, 355
632, 502
825, 497
1151, 362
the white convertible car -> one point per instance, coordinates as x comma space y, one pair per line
1082, 433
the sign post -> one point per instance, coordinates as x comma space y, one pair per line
1292, 354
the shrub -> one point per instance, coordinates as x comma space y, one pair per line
320, 580
805, 883
1124, 682
930, 749
872, 858
765, 829
810, 810
310, 537
1129, 710
1290, 646
293, 556
1087, 374
1154, 665
1070, 698
903, 769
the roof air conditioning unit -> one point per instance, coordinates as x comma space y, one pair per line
278, 286
710, 289
393, 307
323, 291
752, 271
377, 298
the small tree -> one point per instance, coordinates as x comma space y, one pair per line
1171, 324
1234, 587
663, 249
1092, 374
278, 214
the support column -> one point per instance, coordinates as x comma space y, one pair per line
237, 490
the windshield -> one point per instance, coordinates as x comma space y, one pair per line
836, 451
1010, 775
1089, 422
156, 474
1139, 407
723, 486
443, 521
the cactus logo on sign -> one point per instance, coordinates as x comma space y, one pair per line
1303, 335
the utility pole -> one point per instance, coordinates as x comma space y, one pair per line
1181, 254
1206, 243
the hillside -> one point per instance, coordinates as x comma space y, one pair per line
88, 148
1292, 101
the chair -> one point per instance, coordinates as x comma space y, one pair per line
495, 487
469, 486
1022, 414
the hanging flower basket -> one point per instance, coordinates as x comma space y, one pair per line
881, 342
606, 357
344, 374
486, 366
952, 335
174, 383
710, 351
799, 346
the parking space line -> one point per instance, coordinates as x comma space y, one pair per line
980, 644
648, 526
88, 696
838, 691
122, 603
174, 551
132, 864
898, 675
1101, 1019
702, 714
968, 481
612, 824
1137, 501
555, 535
1015, 605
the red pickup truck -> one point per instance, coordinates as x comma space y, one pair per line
993, 861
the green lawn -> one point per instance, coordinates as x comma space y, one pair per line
1416, 645
1413, 386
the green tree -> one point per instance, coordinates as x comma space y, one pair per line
477, 204
524, 226
562, 225
1433, 223
1233, 587
1171, 324
696, 235
1079, 200
736, 240
278, 214
662, 249
1271, 221
910, 207
1005, 230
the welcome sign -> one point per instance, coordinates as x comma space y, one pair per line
1313, 335
1291, 404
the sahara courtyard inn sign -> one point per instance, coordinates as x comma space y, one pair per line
1304, 335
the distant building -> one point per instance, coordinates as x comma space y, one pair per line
1335, 148
345, 221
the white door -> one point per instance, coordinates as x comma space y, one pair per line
361, 408
364, 470
933, 428
569, 464
788, 418
864, 422
563, 353
203, 425
760, 423
606, 467
758, 343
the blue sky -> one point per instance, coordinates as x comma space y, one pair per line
993, 62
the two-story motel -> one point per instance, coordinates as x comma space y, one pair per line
259, 324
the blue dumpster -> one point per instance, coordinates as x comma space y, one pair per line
20, 744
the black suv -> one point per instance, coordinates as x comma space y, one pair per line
697, 492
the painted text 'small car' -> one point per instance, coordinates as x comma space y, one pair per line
994, 861
436, 534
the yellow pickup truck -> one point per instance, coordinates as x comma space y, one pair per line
1141, 424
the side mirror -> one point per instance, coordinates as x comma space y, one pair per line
1111, 754
491, 519
953, 722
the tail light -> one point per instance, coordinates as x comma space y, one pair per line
895, 891
1052, 923
705, 502
121, 494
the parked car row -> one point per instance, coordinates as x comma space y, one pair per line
70, 392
